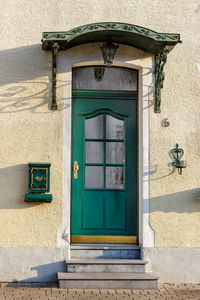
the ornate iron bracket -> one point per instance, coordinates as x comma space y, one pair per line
177, 155
160, 61
55, 48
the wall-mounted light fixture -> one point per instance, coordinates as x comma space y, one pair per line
108, 52
178, 163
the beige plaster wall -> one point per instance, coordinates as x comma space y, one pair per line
30, 131
175, 202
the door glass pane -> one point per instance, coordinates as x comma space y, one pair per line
113, 79
94, 177
114, 128
94, 152
114, 177
94, 128
114, 152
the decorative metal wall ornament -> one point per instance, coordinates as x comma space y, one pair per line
108, 52
99, 73
178, 163
55, 48
160, 61
165, 122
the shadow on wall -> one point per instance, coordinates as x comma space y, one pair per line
13, 186
25, 80
45, 273
153, 169
180, 202
48, 272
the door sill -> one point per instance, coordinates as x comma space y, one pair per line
95, 246
103, 239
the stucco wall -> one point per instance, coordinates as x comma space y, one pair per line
175, 204
31, 132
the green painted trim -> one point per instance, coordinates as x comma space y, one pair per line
104, 94
106, 140
140, 37
104, 164
38, 197
104, 111
104, 154
39, 165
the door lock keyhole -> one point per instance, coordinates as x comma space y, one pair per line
75, 169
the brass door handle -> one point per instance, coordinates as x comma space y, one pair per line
75, 169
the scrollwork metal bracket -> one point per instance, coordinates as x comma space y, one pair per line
177, 154
55, 48
160, 61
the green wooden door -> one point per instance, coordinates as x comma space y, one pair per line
104, 146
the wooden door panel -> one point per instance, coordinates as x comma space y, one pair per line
93, 212
104, 195
116, 211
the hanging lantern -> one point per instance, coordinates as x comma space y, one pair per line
108, 52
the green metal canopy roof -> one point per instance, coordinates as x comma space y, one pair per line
136, 36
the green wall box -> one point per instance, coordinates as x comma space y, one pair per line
39, 183
38, 197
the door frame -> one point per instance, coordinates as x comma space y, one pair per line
145, 84
139, 143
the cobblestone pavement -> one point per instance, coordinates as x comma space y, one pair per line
165, 291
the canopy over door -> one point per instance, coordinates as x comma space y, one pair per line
140, 37
136, 36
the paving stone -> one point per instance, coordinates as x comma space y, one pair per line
120, 291
165, 292
104, 291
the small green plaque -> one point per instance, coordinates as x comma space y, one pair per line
39, 177
39, 183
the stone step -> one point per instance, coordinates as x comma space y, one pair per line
110, 251
108, 280
88, 265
